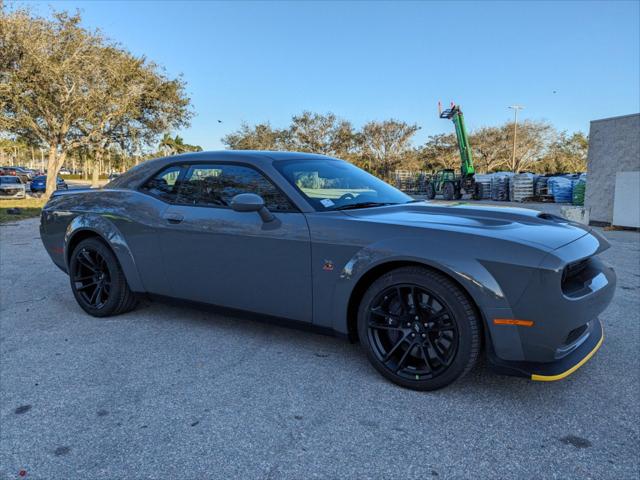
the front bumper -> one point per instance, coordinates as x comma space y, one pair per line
13, 193
588, 344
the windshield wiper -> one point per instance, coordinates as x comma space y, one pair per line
353, 206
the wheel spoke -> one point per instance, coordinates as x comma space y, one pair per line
404, 357
442, 328
82, 279
87, 285
378, 326
439, 315
403, 301
415, 296
427, 363
379, 311
82, 259
95, 297
394, 348
92, 298
437, 352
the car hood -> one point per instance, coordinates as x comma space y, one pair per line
516, 224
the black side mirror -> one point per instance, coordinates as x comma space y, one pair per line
250, 202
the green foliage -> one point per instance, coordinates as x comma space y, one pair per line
70, 90
175, 145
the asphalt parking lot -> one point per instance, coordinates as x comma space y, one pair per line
172, 392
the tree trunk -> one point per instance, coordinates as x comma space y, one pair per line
54, 163
85, 167
96, 170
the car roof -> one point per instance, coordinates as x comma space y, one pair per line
133, 177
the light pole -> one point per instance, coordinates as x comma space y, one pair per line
515, 109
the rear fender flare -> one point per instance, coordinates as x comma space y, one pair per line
107, 231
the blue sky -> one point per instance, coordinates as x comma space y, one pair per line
566, 62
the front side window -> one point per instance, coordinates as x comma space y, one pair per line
338, 185
165, 184
216, 184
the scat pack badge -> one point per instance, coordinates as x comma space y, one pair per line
327, 266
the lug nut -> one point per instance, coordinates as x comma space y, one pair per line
413, 335
424, 335
417, 317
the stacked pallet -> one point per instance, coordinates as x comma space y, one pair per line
521, 187
483, 187
500, 186
561, 188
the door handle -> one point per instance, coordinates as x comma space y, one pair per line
173, 217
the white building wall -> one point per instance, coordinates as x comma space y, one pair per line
614, 146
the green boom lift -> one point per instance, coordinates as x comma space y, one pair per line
446, 182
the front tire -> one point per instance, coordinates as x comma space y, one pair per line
419, 329
97, 280
431, 191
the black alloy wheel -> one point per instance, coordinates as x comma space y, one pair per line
419, 328
412, 332
91, 277
97, 280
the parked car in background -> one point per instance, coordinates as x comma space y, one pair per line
113, 175
12, 187
39, 184
24, 174
65, 171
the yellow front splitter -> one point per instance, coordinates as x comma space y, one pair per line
566, 373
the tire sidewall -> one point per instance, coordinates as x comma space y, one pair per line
435, 284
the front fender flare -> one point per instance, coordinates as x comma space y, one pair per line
449, 258
107, 230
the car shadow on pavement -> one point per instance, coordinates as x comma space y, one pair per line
480, 382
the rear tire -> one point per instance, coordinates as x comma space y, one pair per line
97, 280
419, 329
448, 191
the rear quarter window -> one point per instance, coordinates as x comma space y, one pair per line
164, 185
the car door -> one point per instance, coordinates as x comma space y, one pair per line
216, 255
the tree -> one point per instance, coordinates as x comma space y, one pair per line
259, 137
318, 133
175, 145
489, 146
566, 154
531, 143
385, 143
66, 87
440, 152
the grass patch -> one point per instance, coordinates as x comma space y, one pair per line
30, 207
80, 177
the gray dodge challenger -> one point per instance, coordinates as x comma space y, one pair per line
314, 241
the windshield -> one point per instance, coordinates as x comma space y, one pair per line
10, 180
333, 184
